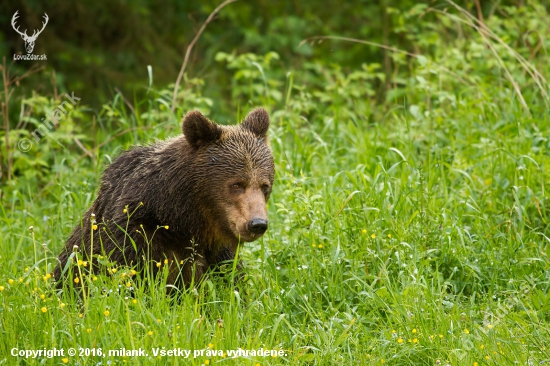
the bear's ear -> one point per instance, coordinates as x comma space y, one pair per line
199, 130
257, 122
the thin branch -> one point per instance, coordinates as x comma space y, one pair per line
383, 46
190, 47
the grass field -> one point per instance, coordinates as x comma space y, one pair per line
408, 231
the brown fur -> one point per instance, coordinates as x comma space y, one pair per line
207, 186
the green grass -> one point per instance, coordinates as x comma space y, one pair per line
409, 232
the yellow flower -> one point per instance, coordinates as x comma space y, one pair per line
80, 315
47, 276
1, 288
490, 326
77, 280
466, 331
166, 227
487, 358
400, 340
65, 360
10, 281
373, 235
141, 203
42, 296
415, 340
389, 235
476, 364
210, 345
125, 210
320, 246
150, 333
207, 362
94, 227
166, 261
158, 264
134, 301
106, 312
313, 245
62, 305
482, 346
133, 272
21, 278
364, 231
44, 309
89, 330
441, 336
114, 270
128, 284
414, 330
94, 278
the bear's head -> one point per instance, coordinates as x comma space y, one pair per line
233, 170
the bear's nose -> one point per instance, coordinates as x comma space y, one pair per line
257, 226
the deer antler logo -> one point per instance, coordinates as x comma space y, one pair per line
29, 41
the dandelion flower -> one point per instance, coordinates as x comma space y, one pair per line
77, 280
373, 236
210, 345
490, 326
114, 270
62, 305
320, 246
1, 288
134, 301
414, 330
44, 309
10, 281
466, 331
166, 261
415, 340
207, 362
65, 360
106, 313
476, 364
42, 296
389, 236
80, 315
94, 227
128, 284
400, 340
441, 336
158, 264
150, 333
94, 278
364, 231
89, 330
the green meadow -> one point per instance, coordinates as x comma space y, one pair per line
409, 220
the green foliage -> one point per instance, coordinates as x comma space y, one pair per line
408, 222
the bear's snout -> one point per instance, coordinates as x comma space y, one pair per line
257, 226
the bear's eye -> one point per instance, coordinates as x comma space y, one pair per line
237, 187
265, 189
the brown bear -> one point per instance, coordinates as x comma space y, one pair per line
187, 201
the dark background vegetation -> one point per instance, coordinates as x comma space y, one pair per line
96, 46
